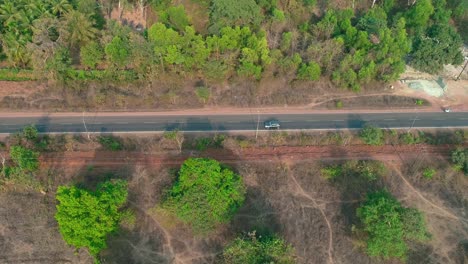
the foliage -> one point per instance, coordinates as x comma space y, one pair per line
175, 17
380, 215
203, 94
372, 135
233, 13
26, 159
91, 54
389, 225
205, 194
86, 218
409, 138
258, 250
30, 132
331, 172
310, 71
339, 104
118, 52
460, 159
440, 46
110, 143
428, 173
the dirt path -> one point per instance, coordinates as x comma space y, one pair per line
261, 154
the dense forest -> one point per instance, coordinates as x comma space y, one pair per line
351, 43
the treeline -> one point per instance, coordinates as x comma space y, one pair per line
70, 39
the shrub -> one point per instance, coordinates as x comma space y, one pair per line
205, 194
85, 218
339, 104
258, 250
372, 135
203, 94
428, 173
30, 132
460, 159
110, 143
26, 159
331, 172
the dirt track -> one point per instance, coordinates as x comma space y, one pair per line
108, 158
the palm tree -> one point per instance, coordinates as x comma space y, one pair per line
61, 7
77, 28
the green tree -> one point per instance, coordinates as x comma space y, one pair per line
380, 215
86, 218
205, 194
77, 28
390, 226
258, 250
441, 46
417, 17
91, 54
372, 135
118, 52
310, 71
26, 159
175, 17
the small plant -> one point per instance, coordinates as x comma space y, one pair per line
202, 144
429, 173
339, 104
331, 172
203, 94
110, 143
419, 102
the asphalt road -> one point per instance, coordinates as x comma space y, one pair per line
151, 123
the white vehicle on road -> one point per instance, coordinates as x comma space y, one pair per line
272, 124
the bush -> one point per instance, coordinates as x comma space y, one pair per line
203, 94
460, 159
428, 173
331, 172
205, 194
25, 159
372, 135
110, 143
85, 218
258, 250
339, 104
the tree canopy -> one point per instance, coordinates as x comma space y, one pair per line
389, 225
86, 218
205, 194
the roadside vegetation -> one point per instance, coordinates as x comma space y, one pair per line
86, 218
229, 210
205, 194
349, 45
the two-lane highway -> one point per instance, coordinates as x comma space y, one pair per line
144, 122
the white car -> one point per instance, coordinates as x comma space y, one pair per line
272, 124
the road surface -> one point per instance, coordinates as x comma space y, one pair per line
107, 123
